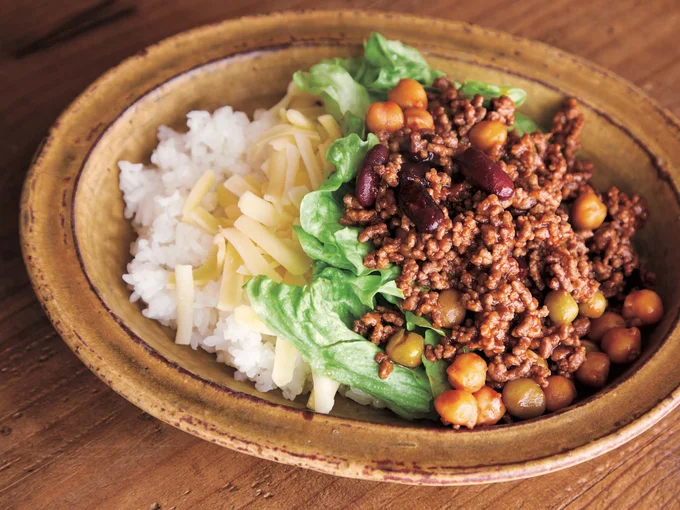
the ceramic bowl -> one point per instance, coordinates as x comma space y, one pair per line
76, 240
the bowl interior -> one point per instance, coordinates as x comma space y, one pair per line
104, 235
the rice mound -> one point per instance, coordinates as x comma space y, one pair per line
154, 196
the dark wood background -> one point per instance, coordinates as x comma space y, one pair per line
68, 441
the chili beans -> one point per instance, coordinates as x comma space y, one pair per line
595, 307
594, 370
484, 135
418, 119
457, 407
588, 211
467, 372
406, 348
524, 398
386, 116
484, 173
408, 94
411, 171
559, 393
622, 345
561, 306
419, 206
490, 406
367, 180
607, 321
643, 307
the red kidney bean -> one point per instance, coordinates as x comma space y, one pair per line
411, 171
419, 206
416, 157
523, 267
484, 173
377, 155
366, 188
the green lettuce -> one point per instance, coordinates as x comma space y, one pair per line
386, 62
342, 96
321, 235
436, 372
348, 86
317, 319
471, 88
524, 124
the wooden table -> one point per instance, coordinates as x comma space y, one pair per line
68, 441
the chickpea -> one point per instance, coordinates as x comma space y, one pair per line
408, 93
607, 321
595, 307
541, 362
594, 370
588, 212
561, 306
385, 116
457, 407
590, 346
643, 307
559, 393
453, 311
488, 133
406, 348
490, 406
524, 398
467, 372
622, 345
418, 119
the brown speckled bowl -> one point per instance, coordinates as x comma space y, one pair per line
75, 242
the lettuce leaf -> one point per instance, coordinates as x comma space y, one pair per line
386, 62
341, 94
317, 319
436, 372
471, 88
413, 321
348, 86
320, 233
524, 124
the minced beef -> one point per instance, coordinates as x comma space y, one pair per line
502, 256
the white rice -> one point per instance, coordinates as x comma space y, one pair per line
154, 196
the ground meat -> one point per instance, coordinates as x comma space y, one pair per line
614, 257
380, 324
385, 365
501, 256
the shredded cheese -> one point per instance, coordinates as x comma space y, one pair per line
322, 398
185, 304
295, 261
253, 223
238, 185
204, 219
246, 316
230, 286
251, 256
285, 359
260, 210
225, 198
297, 119
199, 191
310, 160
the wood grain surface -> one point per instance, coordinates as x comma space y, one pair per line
68, 441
